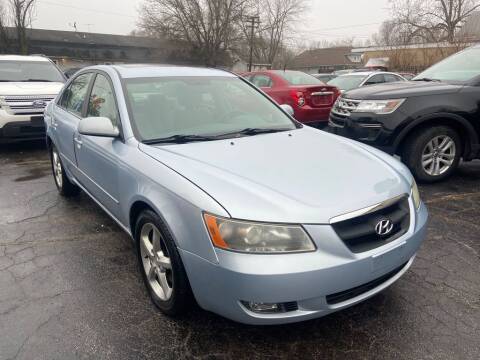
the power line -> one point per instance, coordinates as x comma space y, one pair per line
88, 9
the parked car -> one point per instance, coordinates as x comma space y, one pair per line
358, 79
431, 122
324, 77
27, 84
407, 76
310, 98
202, 170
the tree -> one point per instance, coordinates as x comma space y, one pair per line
432, 20
208, 26
276, 20
3, 25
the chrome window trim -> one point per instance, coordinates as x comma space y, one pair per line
368, 209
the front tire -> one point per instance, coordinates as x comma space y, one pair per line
433, 153
161, 266
65, 187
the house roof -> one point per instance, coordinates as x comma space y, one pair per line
323, 57
85, 38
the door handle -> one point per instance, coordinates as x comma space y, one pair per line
78, 141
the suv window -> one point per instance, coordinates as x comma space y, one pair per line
262, 81
102, 100
376, 79
74, 96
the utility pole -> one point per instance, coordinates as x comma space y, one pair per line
254, 21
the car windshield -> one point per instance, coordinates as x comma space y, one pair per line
461, 67
200, 106
347, 82
26, 71
298, 78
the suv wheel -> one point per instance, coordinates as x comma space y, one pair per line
433, 154
161, 265
64, 185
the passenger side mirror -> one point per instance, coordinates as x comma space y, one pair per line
98, 126
288, 109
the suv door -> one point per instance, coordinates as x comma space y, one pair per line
66, 115
97, 156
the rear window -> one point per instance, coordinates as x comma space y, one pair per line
298, 78
29, 71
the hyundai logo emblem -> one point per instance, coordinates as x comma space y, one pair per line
39, 104
384, 227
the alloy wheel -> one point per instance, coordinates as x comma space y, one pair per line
438, 155
57, 168
156, 261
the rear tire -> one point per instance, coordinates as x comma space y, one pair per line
433, 153
65, 187
161, 266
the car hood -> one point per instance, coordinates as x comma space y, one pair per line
399, 90
303, 176
26, 88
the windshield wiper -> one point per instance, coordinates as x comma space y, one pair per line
427, 79
253, 131
36, 80
179, 139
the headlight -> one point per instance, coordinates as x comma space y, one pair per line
247, 237
416, 195
379, 106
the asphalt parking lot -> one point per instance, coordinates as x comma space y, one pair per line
69, 287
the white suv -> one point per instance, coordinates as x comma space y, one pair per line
27, 84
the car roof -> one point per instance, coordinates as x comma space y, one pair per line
367, 73
38, 58
156, 70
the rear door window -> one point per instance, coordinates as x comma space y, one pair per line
75, 95
376, 79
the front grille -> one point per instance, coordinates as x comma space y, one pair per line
359, 233
344, 107
27, 105
349, 294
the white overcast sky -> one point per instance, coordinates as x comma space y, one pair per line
325, 19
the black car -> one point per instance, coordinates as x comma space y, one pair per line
432, 122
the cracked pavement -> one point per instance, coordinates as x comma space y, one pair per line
70, 288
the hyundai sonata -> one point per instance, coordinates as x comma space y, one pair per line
229, 200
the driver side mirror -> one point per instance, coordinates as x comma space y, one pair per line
288, 109
98, 126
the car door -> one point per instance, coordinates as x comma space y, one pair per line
66, 115
97, 157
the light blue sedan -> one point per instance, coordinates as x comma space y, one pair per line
229, 200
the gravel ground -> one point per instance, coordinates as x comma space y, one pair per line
70, 288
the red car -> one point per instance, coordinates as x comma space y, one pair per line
310, 98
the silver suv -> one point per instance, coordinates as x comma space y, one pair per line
27, 85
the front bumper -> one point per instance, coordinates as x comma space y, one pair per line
307, 279
367, 128
15, 128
